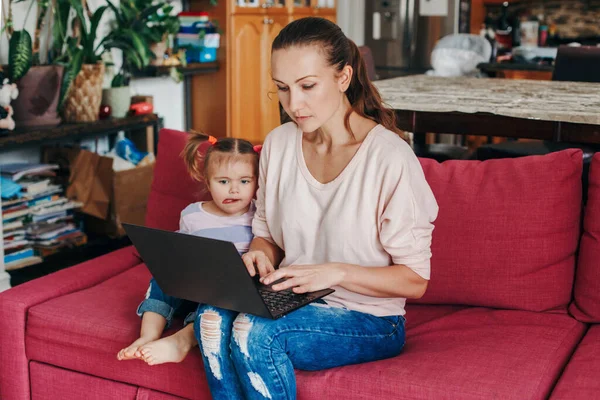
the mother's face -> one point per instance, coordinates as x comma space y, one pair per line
309, 90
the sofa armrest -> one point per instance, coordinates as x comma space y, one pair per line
15, 303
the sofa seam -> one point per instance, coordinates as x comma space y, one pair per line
549, 363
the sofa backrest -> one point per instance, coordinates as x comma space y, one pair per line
172, 188
507, 231
586, 295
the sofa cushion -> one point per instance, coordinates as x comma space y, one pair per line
172, 188
51, 383
83, 332
476, 353
586, 302
580, 380
507, 231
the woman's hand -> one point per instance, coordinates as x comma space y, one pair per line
306, 278
257, 260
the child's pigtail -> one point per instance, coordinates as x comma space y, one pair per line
192, 157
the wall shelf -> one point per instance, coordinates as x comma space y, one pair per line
190, 69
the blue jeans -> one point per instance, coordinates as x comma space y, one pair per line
167, 306
249, 357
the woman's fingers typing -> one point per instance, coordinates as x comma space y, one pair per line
263, 264
257, 261
248, 260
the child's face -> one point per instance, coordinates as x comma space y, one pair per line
232, 185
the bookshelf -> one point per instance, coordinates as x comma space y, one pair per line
142, 130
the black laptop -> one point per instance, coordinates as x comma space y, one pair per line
212, 272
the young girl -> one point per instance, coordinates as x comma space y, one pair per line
230, 170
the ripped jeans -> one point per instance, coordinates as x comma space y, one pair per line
249, 357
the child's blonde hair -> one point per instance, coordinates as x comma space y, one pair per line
197, 164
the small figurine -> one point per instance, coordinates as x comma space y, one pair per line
8, 92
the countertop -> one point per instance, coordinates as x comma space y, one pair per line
573, 102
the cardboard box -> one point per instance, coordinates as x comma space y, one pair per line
109, 197
130, 191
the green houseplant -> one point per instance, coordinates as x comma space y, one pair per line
138, 26
38, 80
81, 90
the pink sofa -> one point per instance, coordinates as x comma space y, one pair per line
507, 314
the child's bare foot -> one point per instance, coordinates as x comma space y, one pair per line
172, 348
132, 351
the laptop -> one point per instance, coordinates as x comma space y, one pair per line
211, 271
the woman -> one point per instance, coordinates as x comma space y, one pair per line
342, 203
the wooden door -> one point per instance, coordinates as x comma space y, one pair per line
246, 86
270, 100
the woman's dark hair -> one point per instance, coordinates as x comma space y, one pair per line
340, 51
198, 163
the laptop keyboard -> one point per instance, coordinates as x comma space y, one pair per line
284, 300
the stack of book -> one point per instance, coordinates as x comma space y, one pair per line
37, 219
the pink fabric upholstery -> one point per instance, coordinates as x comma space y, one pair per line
15, 303
476, 353
586, 304
507, 231
581, 379
172, 188
84, 330
53, 383
449, 348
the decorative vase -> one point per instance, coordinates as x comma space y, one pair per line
82, 103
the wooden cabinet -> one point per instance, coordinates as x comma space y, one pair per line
268, 93
241, 99
246, 53
254, 105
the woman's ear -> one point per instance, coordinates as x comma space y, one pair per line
344, 78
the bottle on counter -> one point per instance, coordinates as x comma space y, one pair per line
504, 34
487, 31
529, 31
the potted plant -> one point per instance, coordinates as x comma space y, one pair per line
81, 91
160, 30
137, 26
38, 84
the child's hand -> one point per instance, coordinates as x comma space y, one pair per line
257, 260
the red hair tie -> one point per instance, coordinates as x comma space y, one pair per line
257, 148
212, 140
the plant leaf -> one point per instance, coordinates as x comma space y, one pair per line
70, 73
80, 15
19, 55
59, 28
129, 52
94, 22
140, 46
115, 11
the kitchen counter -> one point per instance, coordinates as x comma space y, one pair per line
574, 102
544, 110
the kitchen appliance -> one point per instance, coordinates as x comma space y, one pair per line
401, 39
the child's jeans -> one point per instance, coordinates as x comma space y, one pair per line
167, 306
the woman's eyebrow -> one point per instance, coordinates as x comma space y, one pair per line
297, 80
